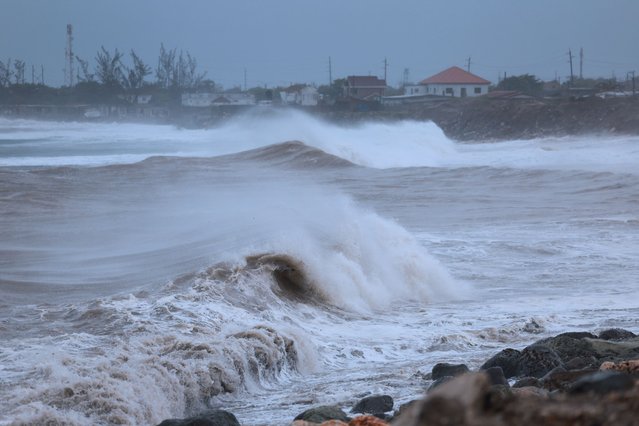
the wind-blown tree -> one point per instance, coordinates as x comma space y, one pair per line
18, 74
108, 68
164, 70
5, 73
86, 75
177, 71
188, 77
136, 74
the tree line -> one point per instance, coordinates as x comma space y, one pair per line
175, 70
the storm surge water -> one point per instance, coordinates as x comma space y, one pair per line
277, 261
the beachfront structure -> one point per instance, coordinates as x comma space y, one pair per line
217, 99
300, 94
454, 82
367, 88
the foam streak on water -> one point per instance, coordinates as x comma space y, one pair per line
149, 272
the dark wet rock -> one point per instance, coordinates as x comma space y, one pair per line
374, 404
577, 335
581, 363
444, 369
570, 345
602, 382
526, 382
537, 360
496, 376
440, 381
616, 334
508, 360
210, 418
609, 350
323, 413
562, 380
555, 370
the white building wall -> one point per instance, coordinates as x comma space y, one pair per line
454, 90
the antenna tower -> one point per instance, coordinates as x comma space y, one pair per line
68, 58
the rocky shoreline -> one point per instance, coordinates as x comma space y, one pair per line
470, 119
485, 118
574, 378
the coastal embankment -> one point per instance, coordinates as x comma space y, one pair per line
468, 119
488, 118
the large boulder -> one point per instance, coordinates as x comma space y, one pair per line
445, 369
537, 360
570, 345
616, 334
209, 418
374, 404
610, 350
323, 413
507, 359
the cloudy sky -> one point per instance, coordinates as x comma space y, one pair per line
280, 42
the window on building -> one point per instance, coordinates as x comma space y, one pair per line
449, 90
478, 90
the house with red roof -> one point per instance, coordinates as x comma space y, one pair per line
454, 82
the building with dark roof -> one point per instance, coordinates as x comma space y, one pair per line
366, 88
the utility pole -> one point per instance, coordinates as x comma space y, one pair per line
572, 78
32, 74
68, 68
385, 68
632, 73
581, 63
406, 76
42, 74
330, 72
245, 79
468, 64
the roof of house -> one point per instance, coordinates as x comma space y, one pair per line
365, 81
294, 88
454, 75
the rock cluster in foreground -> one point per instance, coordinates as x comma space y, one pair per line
568, 379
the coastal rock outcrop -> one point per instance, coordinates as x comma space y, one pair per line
323, 413
374, 404
209, 418
507, 360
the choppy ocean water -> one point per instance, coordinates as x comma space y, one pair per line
278, 262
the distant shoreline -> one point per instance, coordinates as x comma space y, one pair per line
470, 119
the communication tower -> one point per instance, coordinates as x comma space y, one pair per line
68, 58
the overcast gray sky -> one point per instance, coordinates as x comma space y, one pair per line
285, 41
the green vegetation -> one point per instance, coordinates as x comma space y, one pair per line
526, 84
109, 80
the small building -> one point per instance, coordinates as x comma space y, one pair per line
208, 99
365, 88
454, 82
299, 94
